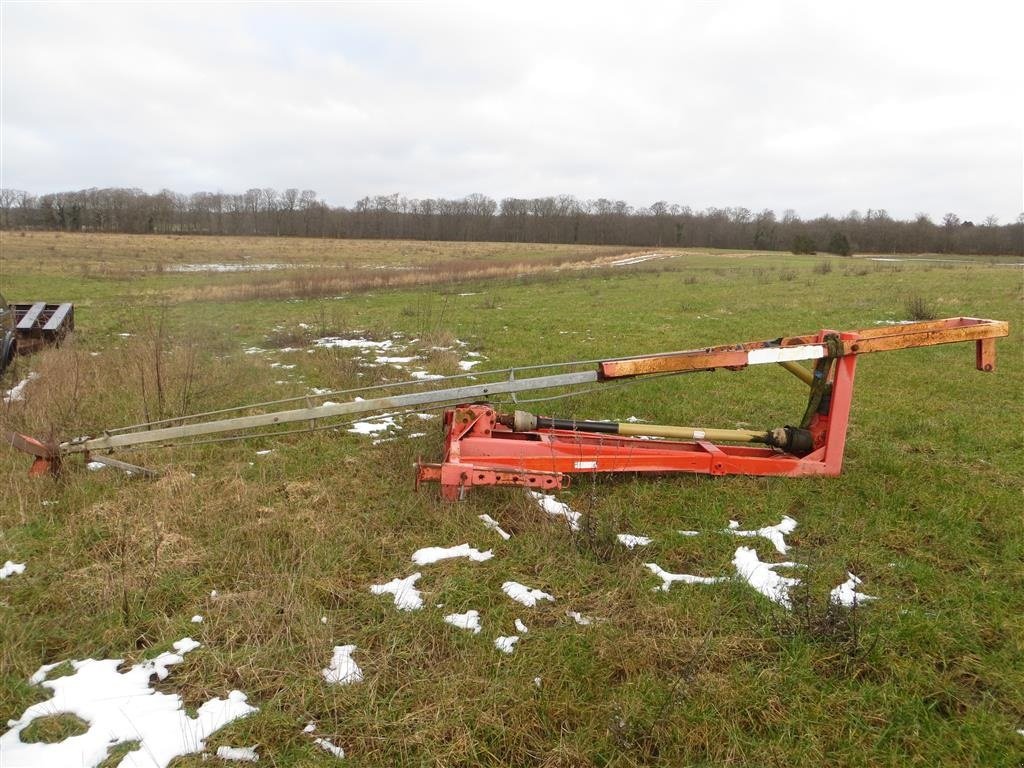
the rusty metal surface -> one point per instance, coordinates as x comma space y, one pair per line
879, 339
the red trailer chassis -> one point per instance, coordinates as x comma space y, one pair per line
481, 450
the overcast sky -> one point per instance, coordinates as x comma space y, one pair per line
819, 106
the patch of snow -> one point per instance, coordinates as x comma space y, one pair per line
429, 555
467, 365
370, 427
667, 579
402, 360
469, 620
630, 541
579, 618
238, 754
319, 391
688, 533
407, 597
343, 669
254, 350
285, 366
213, 594
635, 420
424, 376
412, 435
523, 594
637, 259
762, 576
492, 524
197, 619
9, 569
335, 342
265, 452
847, 594
310, 727
506, 644
95, 466
119, 707
774, 533
426, 416
229, 267
556, 508
520, 627
536, 682
327, 746
17, 392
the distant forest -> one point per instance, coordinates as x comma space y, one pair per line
561, 219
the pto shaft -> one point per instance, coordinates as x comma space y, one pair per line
791, 439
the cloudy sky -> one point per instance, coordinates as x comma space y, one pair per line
819, 106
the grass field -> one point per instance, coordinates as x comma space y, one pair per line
927, 512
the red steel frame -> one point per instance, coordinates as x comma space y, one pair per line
478, 450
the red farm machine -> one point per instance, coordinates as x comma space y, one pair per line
484, 446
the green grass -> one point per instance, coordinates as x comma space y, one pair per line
927, 512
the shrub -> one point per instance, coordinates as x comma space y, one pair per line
918, 308
804, 244
839, 244
823, 268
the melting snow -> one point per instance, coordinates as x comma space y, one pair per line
579, 618
847, 594
506, 644
238, 754
523, 594
17, 392
774, 533
407, 597
343, 669
370, 427
762, 576
197, 619
492, 524
9, 569
467, 365
383, 360
424, 376
119, 707
637, 259
95, 466
556, 508
520, 627
265, 452
668, 579
688, 533
631, 541
231, 267
327, 746
469, 620
429, 555
332, 342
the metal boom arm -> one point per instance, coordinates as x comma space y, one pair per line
824, 348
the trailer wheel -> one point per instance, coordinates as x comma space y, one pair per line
10, 349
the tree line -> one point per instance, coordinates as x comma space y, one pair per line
561, 219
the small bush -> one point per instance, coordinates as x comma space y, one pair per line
839, 244
787, 275
823, 268
804, 244
918, 308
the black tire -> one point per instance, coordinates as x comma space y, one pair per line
10, 349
